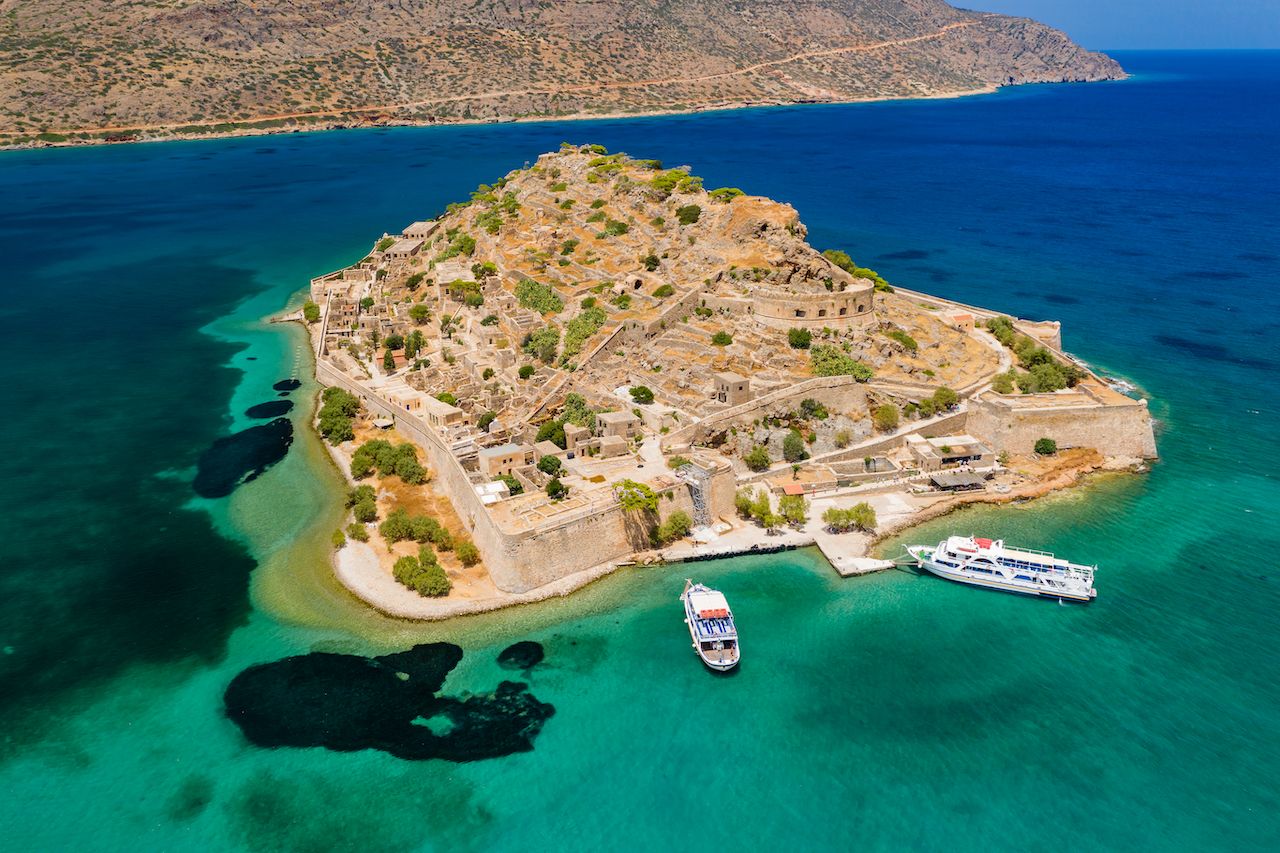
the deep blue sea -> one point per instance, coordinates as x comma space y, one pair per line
159, 538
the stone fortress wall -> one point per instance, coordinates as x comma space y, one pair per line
1014, 422
838, 310
520, 560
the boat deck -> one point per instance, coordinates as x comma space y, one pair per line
715, 629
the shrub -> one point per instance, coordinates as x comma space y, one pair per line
614, 228
550, 465
642, 394
742, 502
635, 497
365, 511
903, 338
650, 262
542, 343
482, 423
467, 552
557, 490
757, 458
793, 447
578, 330
811, 408
385, 243
827, 360
677, 526
489, 320
538, 297
427, 579
843, 439
526, 370
1046, 446
396, 526
310, 311
339, 538
688, 214
726, 194
1002, 383
358, 532
885, 417
799, 338
721, 339
414, 280
663, 291
360, 493
513, 484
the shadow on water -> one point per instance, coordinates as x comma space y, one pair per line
390, 703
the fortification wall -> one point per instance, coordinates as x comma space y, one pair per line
1113, 430
519, 561
837, 310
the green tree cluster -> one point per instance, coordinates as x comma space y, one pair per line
842, 260
423, 574
795, 509
860, 516
310, 312
635, 497
381, 456
725, 194
337, 414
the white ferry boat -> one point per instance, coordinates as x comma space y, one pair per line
710, 621
990, 563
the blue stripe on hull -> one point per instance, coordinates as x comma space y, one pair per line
1000, 587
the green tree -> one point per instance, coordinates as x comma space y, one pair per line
721, 339
358, 532
310, 312
677, 526
337, 413
550, 465
641, 394
793, 449
944, 398
339, 538
396, 526
1046, 446
799, 338
742, 502
553, 431
795, 509
1002, 383
484, 420
557, 490
650, 262
542, 343
513, 485
757, 458
419, 313
885, 418
526, 370
388, 361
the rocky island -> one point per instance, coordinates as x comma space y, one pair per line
597, 360
92, 71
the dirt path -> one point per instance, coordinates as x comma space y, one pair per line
553, 90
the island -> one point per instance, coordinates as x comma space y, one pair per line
597, 361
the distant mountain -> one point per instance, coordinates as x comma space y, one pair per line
113, 68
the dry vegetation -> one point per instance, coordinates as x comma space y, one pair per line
85, 70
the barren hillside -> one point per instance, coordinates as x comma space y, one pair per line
104, 67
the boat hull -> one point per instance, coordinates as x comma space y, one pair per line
1035, 591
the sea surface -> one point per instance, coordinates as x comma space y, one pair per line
160, 538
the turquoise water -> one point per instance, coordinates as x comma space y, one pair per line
886, 712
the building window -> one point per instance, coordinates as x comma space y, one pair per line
822, 312
843, 311
799, 312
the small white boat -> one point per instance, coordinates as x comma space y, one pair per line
990, 563
710, 621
